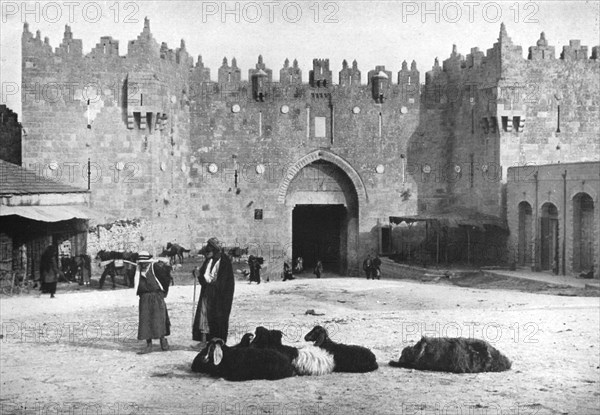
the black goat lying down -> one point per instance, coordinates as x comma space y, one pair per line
347, 358
308, 360
245, 341
457, 355
239, 363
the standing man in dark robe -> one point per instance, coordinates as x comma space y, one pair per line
376, 267
368, 266
287, 272
49, 270
216, 295
255, 267
153, 279
318, 269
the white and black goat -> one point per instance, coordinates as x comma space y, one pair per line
308, 360
241, 363
347, 358
457, 355
203, 365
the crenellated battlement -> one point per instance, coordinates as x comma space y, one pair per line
504, 52
320, 75
144, 54
144, 48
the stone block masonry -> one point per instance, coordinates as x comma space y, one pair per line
197, 158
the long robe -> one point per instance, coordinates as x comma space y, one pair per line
255, 271
49, 271
153, 314
219, 296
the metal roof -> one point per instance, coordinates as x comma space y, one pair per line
16, 180
54, 213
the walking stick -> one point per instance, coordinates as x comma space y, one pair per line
194, 298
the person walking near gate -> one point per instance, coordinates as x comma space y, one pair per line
49, 270
318, 269
368, 266
376, 267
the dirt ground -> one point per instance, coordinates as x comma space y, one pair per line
76, 354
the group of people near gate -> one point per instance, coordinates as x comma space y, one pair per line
372, 267
217, 284
214, 305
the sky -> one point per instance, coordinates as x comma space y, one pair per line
372, 32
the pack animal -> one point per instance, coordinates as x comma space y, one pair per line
69, 269
236, 252
456, 355
347, 358
174, 252
80, 268
111, 270
241, 363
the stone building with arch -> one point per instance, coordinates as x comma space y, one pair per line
304, 166
553, 216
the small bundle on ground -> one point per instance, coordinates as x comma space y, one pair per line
456, 355
347, 358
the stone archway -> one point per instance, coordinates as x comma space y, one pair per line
549, 237
525, 232
583, 232
330, 157
322, 194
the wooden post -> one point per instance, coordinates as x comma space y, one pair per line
12, 283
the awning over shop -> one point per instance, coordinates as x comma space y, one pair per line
462, 217
55, 213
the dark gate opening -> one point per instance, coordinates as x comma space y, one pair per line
583, 229
525, 220
318, 234
549, 236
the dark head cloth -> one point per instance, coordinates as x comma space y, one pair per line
215, 243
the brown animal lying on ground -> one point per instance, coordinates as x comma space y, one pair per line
456, 355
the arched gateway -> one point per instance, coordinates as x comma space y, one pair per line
323, 193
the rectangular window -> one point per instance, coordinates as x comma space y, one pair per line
516, 123
138, 119
504, 123
320, 130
